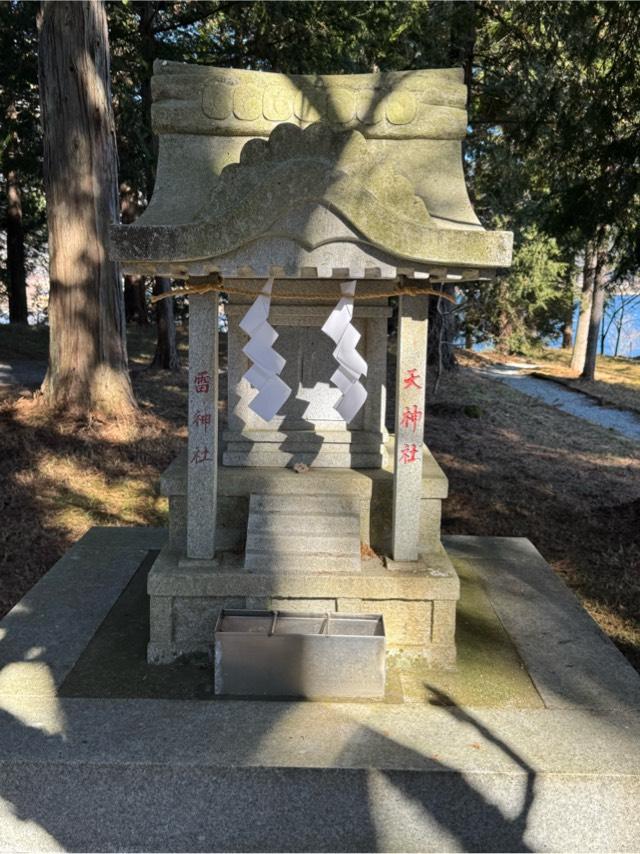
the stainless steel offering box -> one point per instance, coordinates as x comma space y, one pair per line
300, 654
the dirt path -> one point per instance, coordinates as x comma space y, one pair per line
22, 372
625, 423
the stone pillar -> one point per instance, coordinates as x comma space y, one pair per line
202, 468
409, 426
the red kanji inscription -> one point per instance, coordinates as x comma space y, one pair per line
202, 419
411, 417
201, 455
408, 453
201, 382
411, 378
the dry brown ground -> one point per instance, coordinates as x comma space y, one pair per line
516, 468
58, 478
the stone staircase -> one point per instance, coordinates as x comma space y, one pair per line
302, 533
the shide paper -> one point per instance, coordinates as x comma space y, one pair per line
267, 364
351, 365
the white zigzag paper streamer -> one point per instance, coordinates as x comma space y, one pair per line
267, 364
351, 365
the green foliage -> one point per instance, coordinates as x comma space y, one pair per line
557, 93
554, 148
519, 309
554, 153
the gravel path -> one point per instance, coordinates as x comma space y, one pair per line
573, 402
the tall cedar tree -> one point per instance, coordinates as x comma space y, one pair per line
87, 354
19, 142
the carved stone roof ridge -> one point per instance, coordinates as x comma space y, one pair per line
358, 171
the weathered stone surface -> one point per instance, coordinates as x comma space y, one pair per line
406, 623
178, 522
202, 459
161, 618
371, 487
430, 519
325, 456
307, 429
104, 774
443, 622
409, 427
372, 103
313, 605
575, 664
374, 144
42, 636
410, 780
302, 534
241, 482
431, 578
194, 620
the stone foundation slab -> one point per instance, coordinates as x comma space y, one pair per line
92, 772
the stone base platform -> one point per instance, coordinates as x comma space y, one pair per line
418, 600
531, 744
306, 556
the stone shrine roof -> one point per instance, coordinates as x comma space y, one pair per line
331, 175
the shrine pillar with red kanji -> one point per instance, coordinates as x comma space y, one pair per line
409, 426
202, 460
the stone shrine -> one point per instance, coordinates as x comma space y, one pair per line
314, 199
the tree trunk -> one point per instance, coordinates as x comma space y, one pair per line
16, 274
166, 355
618, 334
506, 325
442, 331
135, 303
567, 329
595, 319
584, 310
87, 353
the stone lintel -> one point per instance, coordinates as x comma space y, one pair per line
360, 439
274, 481
279, 315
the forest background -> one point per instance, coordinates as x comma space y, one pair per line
552, 153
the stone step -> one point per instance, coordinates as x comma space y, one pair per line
260, 562
305, 524
301, 543
325, 505
303, 533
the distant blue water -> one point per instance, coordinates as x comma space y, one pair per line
630, 334
629, 346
